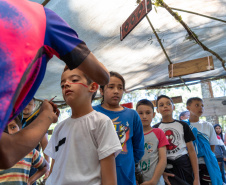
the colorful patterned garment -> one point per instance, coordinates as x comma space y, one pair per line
30, 35
19, 173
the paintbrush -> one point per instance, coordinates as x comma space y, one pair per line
37, 111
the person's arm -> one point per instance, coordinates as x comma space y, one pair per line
44, 143
194, 162
38, 173
138, 138
212, 147
95, 69
14, 147
108, 170
160, 167
52, 164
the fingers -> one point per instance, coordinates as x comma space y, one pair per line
166, 175
55, 109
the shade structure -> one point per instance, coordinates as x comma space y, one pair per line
139, 57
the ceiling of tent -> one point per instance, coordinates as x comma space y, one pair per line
139, 57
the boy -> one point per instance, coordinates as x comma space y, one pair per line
27, 112
181, 156
19, 173
153, 163
196, 107
83, 147
184, 115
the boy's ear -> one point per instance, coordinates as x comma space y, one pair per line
157, 110
101, 92
93, 87
188, 107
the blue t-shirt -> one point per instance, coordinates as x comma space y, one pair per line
129, 128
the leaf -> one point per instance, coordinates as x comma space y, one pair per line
155, 9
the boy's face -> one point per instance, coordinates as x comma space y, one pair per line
146, 114
13, 127
29, 108
165, 107
196, 108
74, 85
185, 116
113, 91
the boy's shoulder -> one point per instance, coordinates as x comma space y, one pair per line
202, 122
158, 131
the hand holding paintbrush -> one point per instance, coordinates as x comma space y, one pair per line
55, 109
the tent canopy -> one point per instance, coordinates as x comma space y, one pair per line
139, 57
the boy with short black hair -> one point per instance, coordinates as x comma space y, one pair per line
208, 166
84, 146
153, 163
181, 156
19, 173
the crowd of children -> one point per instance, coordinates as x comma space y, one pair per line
104, 144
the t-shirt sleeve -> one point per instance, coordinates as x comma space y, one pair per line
156, 125
107, 139
213, 137
50, 148
138, 138
188, 135
62, 41
38, 160
161, 137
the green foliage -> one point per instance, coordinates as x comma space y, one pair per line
177, 17
189, 37
158, 3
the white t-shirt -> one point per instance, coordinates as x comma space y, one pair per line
178, 134
207, 129
78, 145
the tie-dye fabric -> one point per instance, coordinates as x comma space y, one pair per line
30, 36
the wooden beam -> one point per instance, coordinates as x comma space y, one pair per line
176, 99
214, 106
132, 21
191, 66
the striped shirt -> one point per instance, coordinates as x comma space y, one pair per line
19, 173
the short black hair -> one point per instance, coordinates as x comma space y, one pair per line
182, 114
163, 96
145, 102
189, 101
89, 80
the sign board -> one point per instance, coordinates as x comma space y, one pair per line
191, 66
138, 14
214, 106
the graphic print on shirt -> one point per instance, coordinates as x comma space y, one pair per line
148, 146
173, 138
122, 132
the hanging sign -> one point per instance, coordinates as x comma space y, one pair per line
138, 14
191, 66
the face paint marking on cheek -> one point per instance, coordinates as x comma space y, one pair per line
76, 83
